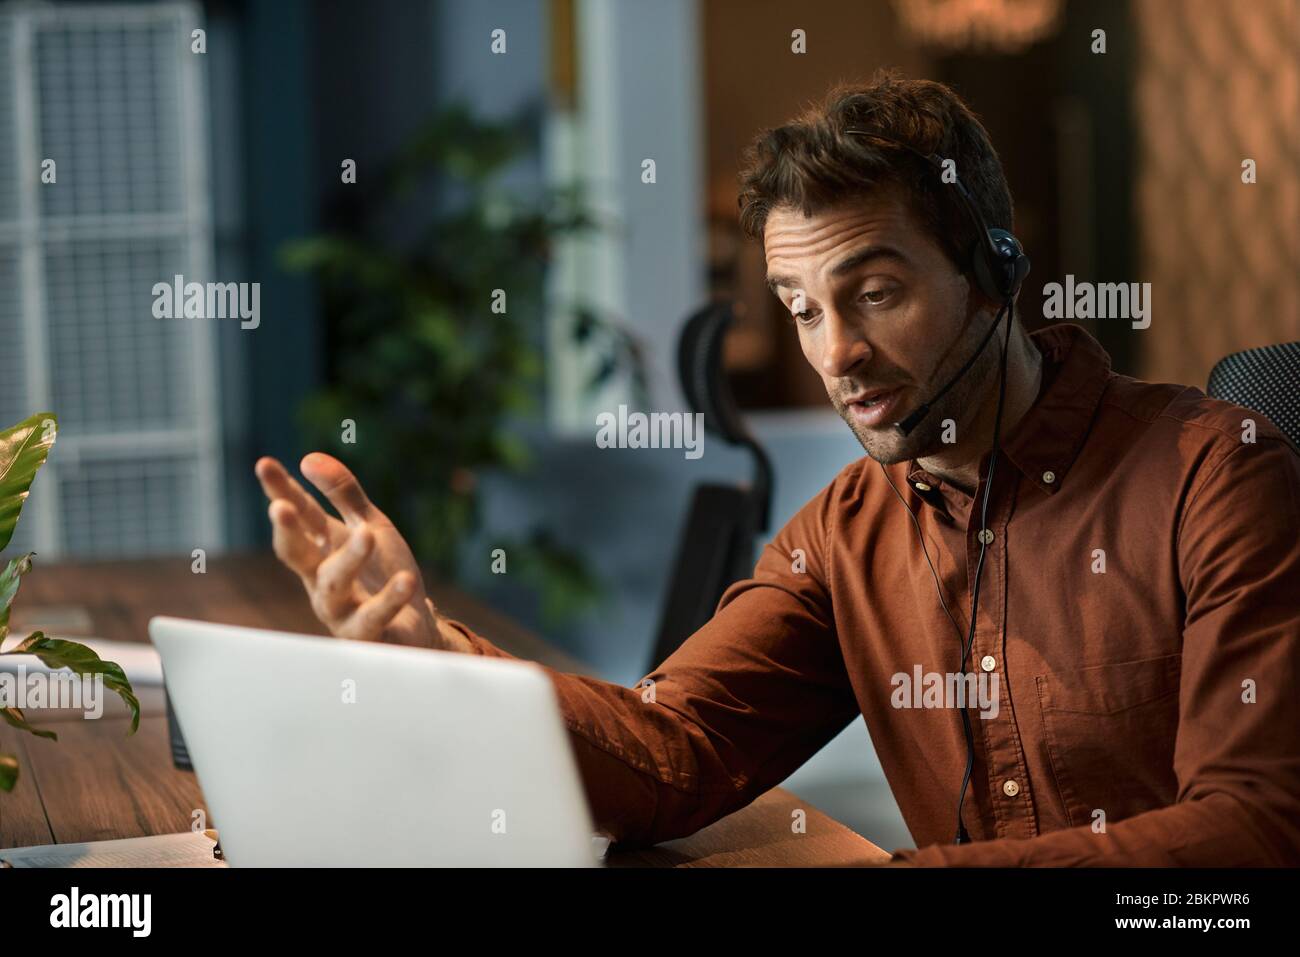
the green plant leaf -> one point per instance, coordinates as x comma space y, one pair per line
23, 449
9, 581
8, 772
511, 451
15, 718
61, 653
341, 256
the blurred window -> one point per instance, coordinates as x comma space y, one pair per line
115, 96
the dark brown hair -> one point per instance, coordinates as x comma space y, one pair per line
811, 164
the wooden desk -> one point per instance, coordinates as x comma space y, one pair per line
97, 784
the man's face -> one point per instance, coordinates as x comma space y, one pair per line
880, 310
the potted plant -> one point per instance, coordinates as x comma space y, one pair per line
23, 450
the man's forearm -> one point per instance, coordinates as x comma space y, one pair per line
650, 774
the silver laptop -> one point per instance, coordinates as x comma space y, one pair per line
324, 752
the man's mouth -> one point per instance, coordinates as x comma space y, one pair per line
874, 406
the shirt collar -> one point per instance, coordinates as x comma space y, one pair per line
1047, 440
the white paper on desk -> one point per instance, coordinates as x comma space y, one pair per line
190, 849
138, 659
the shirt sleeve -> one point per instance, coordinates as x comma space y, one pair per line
745, 701
1237, 751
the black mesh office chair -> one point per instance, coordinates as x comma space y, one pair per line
717, 543
1265, 380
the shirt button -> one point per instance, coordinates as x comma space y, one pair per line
1010, 788
922, 487
987, 663
985, 536
1049, 477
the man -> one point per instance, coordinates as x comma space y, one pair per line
1138, 628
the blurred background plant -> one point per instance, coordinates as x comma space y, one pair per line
435, 340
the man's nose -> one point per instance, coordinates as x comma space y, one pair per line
844, 347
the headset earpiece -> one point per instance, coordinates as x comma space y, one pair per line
1000, 266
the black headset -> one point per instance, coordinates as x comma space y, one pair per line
999, 266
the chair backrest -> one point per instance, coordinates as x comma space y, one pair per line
1265, 380
699, 365
716, 546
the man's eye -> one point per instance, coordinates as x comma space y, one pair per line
876, 296
805, 316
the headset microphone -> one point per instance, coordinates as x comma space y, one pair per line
915, 419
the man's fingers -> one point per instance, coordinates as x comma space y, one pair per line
373, 615
290, 540
338, 572
338, 485
278, 483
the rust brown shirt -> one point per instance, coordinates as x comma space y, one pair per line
1140, 609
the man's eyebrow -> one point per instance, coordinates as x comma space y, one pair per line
849, 263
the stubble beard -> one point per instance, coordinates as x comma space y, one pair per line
948, 416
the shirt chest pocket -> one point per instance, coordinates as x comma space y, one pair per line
1109, 733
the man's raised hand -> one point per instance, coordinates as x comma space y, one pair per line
358, 571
